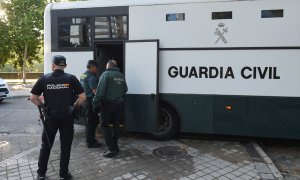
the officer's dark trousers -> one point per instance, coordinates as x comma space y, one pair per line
111, 113
64, 122
92, 122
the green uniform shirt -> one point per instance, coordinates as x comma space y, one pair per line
89, 82
112, 86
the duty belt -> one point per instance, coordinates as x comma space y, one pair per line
57, 110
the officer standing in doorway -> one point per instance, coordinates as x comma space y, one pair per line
59, 90
109, 98
89, 82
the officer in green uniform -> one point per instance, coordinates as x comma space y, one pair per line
89, 82
109, 98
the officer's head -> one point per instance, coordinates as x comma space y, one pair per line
111, 64
92, 65
59, 62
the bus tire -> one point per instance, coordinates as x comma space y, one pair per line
168, 124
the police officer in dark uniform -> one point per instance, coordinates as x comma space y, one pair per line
109, 97
59, 90
89, 82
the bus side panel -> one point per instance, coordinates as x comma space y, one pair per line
194, 111
245, 29
76, 61
261, 86
274, 117
230, 72
231, 115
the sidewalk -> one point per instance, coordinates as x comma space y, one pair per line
18, 89
140, 158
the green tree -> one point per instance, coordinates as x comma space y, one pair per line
52, 1
24, 19
4, 44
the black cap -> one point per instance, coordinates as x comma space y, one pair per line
92, 63
59, 60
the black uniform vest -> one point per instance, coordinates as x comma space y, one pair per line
58, 90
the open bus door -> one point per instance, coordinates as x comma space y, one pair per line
141, 73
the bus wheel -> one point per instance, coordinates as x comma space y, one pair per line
168, 124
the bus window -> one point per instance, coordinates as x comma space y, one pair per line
102, 27
222, 15
111, 27
175, 17
119, 26
74, 32
272, 13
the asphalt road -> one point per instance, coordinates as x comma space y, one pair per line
20, 116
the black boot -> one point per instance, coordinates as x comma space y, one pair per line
94, 145
40, 177
110, 154
66, 177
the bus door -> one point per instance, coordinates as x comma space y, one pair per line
141, 73
108, 50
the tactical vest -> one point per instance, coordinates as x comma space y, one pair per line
58, 91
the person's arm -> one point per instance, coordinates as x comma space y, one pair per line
93, 84
35, 99
80, 100
101, 89
94, 91
78, 89
36, 91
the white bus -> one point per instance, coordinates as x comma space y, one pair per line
224, 67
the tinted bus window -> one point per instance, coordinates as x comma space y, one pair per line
272, 13
222, 15
74, 32
175, 17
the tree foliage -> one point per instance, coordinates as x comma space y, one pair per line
53, 1
24, 20
21, 31
5, 53
25, 25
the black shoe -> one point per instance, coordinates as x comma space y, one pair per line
67, 177
94, 145
117, 149
110, 154
40, 177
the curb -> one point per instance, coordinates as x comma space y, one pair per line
19, 96
268, 161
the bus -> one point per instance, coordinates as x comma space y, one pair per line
225, 67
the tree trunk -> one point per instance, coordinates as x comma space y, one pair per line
24, 63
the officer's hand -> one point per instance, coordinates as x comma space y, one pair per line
43, 111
